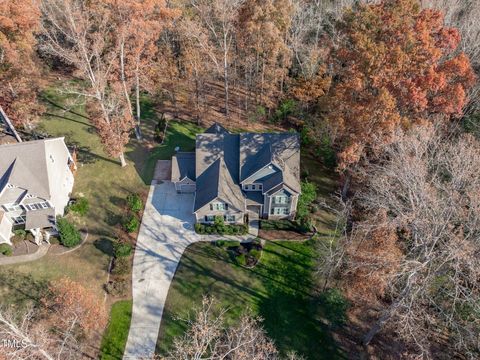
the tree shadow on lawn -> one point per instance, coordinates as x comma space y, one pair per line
291, 310
105, 245
22, 289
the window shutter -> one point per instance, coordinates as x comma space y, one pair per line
206, 219
226, 206
211, 206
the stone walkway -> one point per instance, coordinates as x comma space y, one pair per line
10, 260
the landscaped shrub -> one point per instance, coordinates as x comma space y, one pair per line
134, 202
116, 288
121, 266
6, 249
255, 253
309, 194
122, 249
199, 228
241, 260
20, 233
69, 235
131, 223
221, 229
80, 206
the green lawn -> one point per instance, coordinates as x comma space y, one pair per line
281, 289
115, 337
104, 183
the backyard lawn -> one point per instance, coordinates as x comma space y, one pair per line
105, 184
281, 289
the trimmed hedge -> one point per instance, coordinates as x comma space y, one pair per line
221, 230
6, 249
69, 235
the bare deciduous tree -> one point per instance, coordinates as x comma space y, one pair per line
208, 337
423, 204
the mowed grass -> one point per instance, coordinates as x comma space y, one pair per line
104, 183
116, 334
281, 289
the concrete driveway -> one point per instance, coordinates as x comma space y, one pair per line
166, 230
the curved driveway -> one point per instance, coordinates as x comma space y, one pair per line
166, 230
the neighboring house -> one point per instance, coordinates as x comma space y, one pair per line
36, 179
233, 175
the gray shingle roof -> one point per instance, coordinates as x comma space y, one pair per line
183, 165
217, 182
43, 218
283, 150
216, 128
31, 165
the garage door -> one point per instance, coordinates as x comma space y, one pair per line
186, 188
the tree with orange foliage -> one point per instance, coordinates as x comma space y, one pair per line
138, 25
69, 316
395, 65
19, 70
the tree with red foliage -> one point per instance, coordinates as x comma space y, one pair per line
19, 70
394, 65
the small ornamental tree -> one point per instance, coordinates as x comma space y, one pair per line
69, 235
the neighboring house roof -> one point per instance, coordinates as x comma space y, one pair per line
43, 218
36, 166
183, 165
216, 182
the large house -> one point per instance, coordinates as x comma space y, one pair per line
36, 179
234, 175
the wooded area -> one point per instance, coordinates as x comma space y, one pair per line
386, 91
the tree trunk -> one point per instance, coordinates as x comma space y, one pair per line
376, 328
138, 131
225, 82
346, 185
122, 160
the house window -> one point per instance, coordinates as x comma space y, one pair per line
279, 211
209, 218
12, 207
280, 199
218, 206
229, 218
260, 186
37, 206
254, 187
10, 186
19, 220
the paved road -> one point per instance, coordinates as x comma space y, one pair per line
166, 230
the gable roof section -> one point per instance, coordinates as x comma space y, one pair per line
29, 165
183, 165
283, 150
217, 182
216, 128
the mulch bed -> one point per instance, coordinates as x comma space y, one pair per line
282, 235
24, 248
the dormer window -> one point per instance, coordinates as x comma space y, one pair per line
218, 206
10, 186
